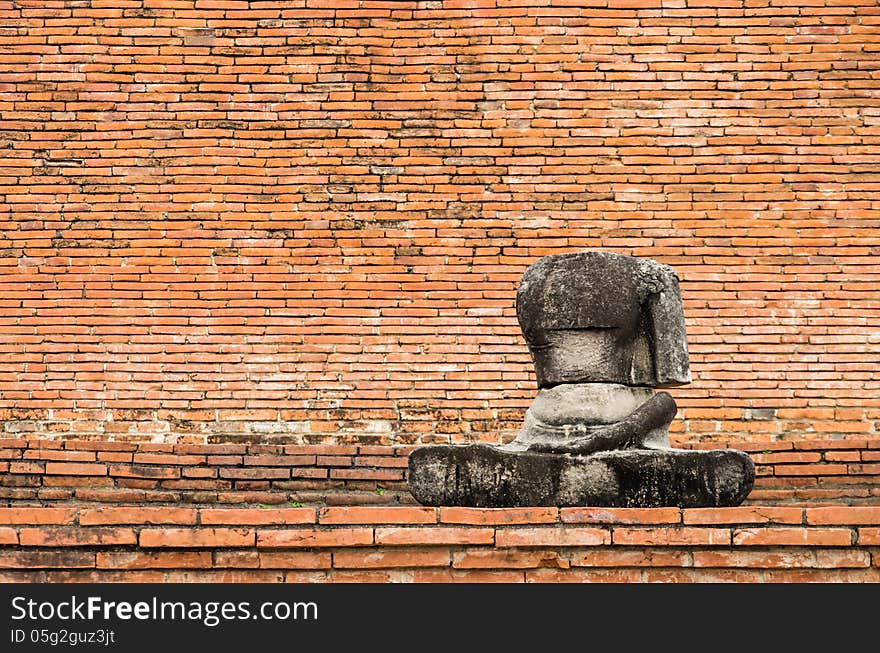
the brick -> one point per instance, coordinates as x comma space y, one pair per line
773, 559
551, 536
237, 558
697, 575
583, 575
438, 575
810, 470
507, 559
279, 461
136, 515
499, 516
367, 474
222, 576
380, 461
257, 516
46, 559
76, 469
848, 515
144, 471
76, 536
670, 536
842, 456
89, 445
822, 576
334, 461
167, 459
869, 537
154, 560
254, 473
359, 576
842, 558
434, 535
785, 457
743, 515
306, 577
197, 537
377, 515
294, 560
304, 538
631, 558
8, 535
36, 515
379, 559
792, 536
51, 454
620, 515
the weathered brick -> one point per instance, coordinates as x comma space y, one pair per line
604, 557
434, 535
744, 515
686, 575
810, 470
440, 575
620, 515
377, 515
136, 515
237, 558
144, 471
76, 536
847, 515
8, 535
37, 515
223, 576
773, 559
583, 575
46, 559
294, 560
507, 559
308, 538
869, 537
254, 516
792, 536
154, 560
196, 537
670, 536
167, 459
380, 559
52, 454
822, 576
76, 469
499, 516
552, 536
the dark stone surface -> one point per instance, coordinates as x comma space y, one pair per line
599, 317
493, 477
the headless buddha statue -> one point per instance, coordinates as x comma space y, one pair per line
603, 330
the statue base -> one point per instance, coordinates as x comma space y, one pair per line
484, 476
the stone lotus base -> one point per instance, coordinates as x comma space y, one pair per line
484, 476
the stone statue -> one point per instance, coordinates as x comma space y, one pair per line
604, 331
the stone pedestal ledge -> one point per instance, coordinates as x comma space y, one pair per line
492, 477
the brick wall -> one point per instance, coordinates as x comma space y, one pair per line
410, 544
35, 472
304, 221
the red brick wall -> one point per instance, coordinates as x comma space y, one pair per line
77, 471
409, 544
305, 221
